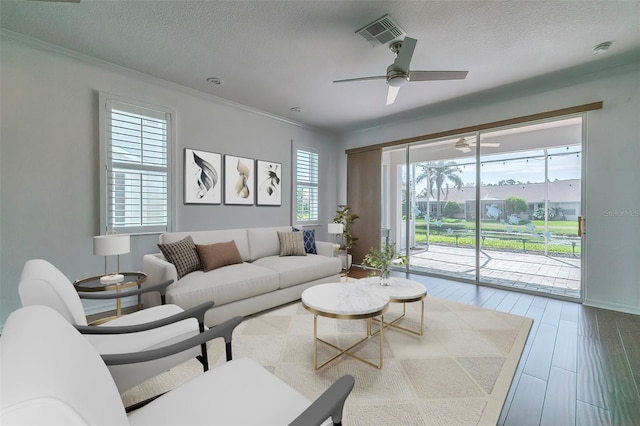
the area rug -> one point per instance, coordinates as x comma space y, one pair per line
457, 373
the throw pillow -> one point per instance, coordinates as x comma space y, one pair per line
309, 238
291, 244
183, 255
217, 255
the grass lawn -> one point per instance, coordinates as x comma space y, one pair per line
498, 236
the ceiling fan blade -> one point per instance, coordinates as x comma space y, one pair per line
392, 92
377, 77
437, 75
405, 54
486, 144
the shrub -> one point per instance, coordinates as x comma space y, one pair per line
451, 208
515, 205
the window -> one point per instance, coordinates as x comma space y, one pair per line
136, 156
306, 186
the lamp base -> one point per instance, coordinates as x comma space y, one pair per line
111, 279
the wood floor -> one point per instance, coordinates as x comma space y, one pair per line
580, 366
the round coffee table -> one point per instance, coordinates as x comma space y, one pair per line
345, 301
400, 290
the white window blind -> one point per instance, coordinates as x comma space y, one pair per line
136, 179
306, 186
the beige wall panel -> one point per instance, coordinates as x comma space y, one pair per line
363, 195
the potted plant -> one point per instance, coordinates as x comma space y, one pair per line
346, 218
383, 260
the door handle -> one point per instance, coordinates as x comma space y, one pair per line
581, 226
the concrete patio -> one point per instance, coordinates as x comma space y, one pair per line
553, 275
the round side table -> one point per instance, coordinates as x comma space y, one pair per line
401, 290
91, 284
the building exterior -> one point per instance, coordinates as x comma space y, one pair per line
563, 200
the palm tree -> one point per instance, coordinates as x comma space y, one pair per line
440, 174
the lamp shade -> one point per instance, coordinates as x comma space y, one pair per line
110, 245
335, 228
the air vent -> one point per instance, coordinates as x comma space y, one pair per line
382, 31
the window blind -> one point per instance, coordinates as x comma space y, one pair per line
137, 168
306, 186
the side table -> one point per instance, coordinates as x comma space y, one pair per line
400, 290
92, 284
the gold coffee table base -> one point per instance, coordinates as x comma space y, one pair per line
401, 328
346, 351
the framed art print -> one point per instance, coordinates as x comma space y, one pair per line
269, 183
202, 173
238, 180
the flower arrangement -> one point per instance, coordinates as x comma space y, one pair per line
383, 260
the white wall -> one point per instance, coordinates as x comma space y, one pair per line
612, 202
49, 159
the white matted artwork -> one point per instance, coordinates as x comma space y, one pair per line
202, 173
238, 180
269, 183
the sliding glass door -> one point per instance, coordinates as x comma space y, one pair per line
499, 207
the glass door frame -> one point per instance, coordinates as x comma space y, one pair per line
478, 205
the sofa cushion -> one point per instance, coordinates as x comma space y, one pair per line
222, 285
214, 256
183, 255
291, 244
298, 269
309, 237
264, 241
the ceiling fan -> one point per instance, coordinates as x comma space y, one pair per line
398, 73
464, 146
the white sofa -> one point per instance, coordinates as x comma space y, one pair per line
264, 279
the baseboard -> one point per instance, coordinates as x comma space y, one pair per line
612, 306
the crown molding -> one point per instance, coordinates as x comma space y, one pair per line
128, 72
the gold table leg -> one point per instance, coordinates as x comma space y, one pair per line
346, 351
404, 311
118, 303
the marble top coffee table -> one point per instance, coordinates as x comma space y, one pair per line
400, 290
345, 301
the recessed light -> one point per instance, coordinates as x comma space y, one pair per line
215, 80
296, 109
602, 47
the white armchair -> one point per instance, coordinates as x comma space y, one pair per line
52, 375
41, 283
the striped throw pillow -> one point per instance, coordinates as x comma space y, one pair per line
291, 244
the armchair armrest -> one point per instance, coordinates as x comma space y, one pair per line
224, 330
329, 404
195, 312
160, 288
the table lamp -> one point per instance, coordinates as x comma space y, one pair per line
335, 229
111, 245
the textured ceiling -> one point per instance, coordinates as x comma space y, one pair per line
274, 55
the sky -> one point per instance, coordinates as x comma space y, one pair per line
526, 166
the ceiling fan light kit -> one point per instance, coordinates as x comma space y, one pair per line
462, 145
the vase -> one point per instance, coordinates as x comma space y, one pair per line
384, 277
